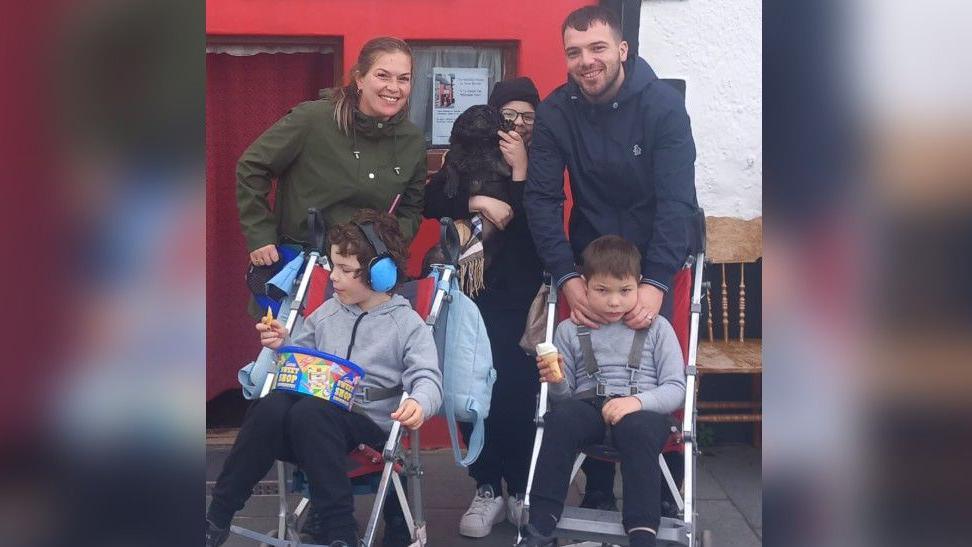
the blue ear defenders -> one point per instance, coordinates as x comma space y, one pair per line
382, 271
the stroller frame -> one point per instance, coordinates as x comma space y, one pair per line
396, 459
605, 527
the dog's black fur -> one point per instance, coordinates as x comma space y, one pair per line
474, 161
476, 165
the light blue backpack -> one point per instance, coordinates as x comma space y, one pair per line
468, 374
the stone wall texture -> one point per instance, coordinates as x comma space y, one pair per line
716, 47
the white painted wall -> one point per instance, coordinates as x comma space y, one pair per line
716, 47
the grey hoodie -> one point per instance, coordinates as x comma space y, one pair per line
661, 378
391, 344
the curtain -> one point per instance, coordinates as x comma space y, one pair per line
245, 94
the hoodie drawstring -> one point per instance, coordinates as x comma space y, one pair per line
354, 332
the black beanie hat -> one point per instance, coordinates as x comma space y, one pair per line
517, 89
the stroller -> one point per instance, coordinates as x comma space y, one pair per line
596, 527
370, 471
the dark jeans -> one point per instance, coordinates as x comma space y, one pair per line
638, 437
311, 432
509, 428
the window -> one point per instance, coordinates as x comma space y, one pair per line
496, 57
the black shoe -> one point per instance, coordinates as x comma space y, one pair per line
669, 509
602, 501
643, 538
533, 538
313, 526
396, 533
215, 536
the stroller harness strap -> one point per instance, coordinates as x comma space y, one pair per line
604, 389
370, 394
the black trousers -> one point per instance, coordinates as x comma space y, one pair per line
311, 432
509, 428
638, 437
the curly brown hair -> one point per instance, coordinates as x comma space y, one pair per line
350, 241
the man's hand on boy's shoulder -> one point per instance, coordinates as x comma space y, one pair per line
649, 303
410, 414
581, 313
272, 334
619, 407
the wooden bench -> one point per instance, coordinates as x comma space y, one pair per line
731, 243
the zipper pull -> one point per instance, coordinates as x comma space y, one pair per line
357, 155
398, 170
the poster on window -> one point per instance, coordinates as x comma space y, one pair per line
453, 91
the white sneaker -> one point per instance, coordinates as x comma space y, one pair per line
514, 510
484, 511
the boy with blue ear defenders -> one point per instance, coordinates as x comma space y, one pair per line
378, 330
382, 270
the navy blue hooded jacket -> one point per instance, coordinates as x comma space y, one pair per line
631, 163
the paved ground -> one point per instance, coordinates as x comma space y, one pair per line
729, 499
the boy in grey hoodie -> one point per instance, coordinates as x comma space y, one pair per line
617, 383
381, 333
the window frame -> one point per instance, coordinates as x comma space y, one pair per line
509, 54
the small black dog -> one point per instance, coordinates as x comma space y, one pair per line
474, 161
475, 164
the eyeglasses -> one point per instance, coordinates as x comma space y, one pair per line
510, 115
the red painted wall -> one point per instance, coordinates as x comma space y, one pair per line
534, 24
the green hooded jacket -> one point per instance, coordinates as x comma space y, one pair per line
317, 165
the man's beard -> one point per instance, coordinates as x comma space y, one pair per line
609, 80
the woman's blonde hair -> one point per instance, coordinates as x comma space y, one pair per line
346, 97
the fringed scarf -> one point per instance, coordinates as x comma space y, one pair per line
472, 258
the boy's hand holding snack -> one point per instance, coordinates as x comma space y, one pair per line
550, 363
272, 332
409, 414
619, 407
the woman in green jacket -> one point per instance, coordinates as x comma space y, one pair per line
353, 149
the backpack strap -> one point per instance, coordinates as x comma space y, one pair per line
475, 442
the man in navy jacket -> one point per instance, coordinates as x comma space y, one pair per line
624, 137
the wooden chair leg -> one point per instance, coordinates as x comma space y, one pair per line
725, 305
742, 302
